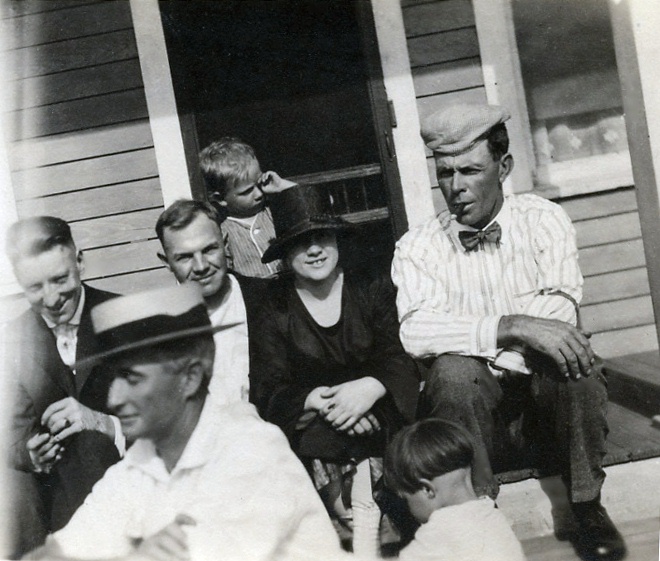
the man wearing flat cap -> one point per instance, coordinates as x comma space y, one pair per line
488, 293
200, 482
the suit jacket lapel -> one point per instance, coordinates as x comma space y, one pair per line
86, 340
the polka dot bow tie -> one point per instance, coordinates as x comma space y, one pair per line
472, 241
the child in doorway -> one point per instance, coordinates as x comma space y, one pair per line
429, 465
236, 184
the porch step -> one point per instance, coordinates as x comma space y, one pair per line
631, 493
641, 538
634, 382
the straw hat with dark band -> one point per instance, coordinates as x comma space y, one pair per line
127, 323
296, 211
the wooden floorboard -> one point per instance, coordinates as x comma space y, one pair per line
643, 366
631, 434
632, 437
634, 382
641, 538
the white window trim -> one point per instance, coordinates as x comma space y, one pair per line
504, 85
161, 103
397, 77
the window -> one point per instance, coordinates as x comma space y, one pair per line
569, 88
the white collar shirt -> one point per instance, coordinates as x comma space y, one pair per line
230, 381
451, 301
66, 334
237, 478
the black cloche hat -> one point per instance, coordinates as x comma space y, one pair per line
296, 211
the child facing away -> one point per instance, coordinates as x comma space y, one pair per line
235, 183
428, 464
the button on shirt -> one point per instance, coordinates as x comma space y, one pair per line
451, 301
237, 478
230, 382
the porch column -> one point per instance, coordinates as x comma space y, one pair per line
636, 29
411, 158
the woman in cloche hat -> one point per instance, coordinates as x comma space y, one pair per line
329, 368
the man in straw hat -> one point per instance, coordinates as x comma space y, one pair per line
488, 291
200, 482
61, 440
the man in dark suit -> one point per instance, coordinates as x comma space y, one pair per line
60, 441
193, 249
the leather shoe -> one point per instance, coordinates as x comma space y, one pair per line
597, 539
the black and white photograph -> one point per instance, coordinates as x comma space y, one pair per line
322, 280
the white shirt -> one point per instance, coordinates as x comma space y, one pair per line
66, 334
451, 301
230, 381
472, 531
237, 477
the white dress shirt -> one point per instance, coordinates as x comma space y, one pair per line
230, 382
451, 301
237, 478
66, 334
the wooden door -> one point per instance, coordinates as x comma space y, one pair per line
300, 81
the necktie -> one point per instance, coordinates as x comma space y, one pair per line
475, 240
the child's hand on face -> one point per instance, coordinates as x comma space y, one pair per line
270, 182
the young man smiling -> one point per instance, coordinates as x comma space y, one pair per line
193, 250
488, 291
61, 439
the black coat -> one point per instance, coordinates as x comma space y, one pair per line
38, 378
293, 355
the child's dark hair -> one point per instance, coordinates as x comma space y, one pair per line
425, 450
224, 163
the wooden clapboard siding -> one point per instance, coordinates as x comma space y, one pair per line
610, 344
112, 230
80, 140
80, 205
617, 285
120, 259
73, 23
46, 151
616, 305
447, 77
75, 84
444, 59
136, 282
67, 55
79, 114
81, 174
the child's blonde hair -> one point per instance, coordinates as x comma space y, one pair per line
226, 162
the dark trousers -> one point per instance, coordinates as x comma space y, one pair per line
541, 419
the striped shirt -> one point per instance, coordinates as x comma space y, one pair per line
245, 243
451, 301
